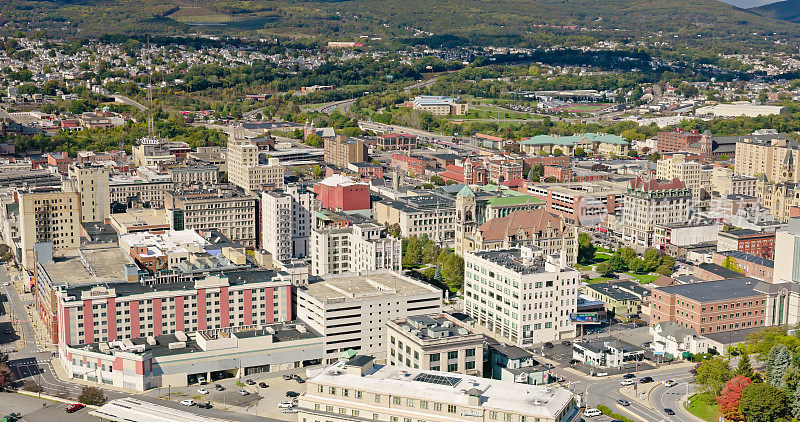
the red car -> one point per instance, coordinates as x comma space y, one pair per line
74, 407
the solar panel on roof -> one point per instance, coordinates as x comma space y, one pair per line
437, 379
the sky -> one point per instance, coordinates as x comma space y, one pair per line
746, 4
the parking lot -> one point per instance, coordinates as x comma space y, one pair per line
259, 400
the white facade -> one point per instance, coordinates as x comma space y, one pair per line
357, 248
92, 183
351, 310
523, 298
286, 222
246, 171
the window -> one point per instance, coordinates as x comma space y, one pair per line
470, 365
396, 401
453, 367
470, 352
493, 415
410, 402
451, 408
423, 404
320, 388
358, 394
507, 417
437, 407
345, 392
332, 390
377, 398
453, 354
354, 412
435, 357
329, 409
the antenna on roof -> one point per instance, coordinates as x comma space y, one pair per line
150, 131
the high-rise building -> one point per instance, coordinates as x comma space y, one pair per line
775, 156
226, 210
676, 141
248, 170
520, 294
92, 183
693, 174
50, 216
341, 243
649, 202
341, 151
286, 222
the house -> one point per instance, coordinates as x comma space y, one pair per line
622, 298
512, 363
675, 341
611, 353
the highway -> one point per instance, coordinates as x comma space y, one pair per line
125, 100
343, 106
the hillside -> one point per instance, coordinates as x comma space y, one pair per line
700, 24
788, 10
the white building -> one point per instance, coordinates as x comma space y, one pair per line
359, 390
360, 246
673, 339
286, 222
351, 310
739, 109
520, 295
651, 202
246, 170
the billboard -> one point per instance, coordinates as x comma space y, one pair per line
585, 318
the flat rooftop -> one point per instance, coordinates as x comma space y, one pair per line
99, 264
712, 291
531, 400
352, 286
133, 218
433, 327
512, 259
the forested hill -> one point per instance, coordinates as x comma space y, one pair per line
693, 23
788, 10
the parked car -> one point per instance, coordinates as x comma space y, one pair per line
187, 402
627, 382
243, 392
669, 411
670, 383
287, 377
300, 380
645, 380
201, 380
74, 407
592, 412
219, 387
549, 365
566, 343
290, 410
250, 382
574, 361
548, 345
202, 391
623, 402
292, 394
601, 374
262, 384
206, 405
628, 376
285, 404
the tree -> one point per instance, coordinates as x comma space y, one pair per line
762, 402
730, 397
638, 266
743, 368
604, 269
712, 374
790, 379
579, 152
731, 264
91, 395
664, 269
412, 252
777, 361
558, 151
430, 252
586, 249
763, 97
32, 386
436, 180
627, 254
652, 259
453, 272
654, 157
795, 405
316, 171
617, 264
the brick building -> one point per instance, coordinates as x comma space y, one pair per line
395, 141
747, 241
342, 193
710, 307
676, 141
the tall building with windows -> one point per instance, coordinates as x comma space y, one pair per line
650, 202
48, 216
226, 210
92, 183
286, 222
250, 171
693, 174
520, 294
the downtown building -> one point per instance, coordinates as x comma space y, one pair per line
521, 295
248, 170
650, 203
286, 222
227, 210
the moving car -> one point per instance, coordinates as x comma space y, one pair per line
645, 380
287, 377
292, 394
219, 387
262, 384
627, 382
206, 405
187, 402
566, 343
250, 382
669, 412
290, 410
623, 402
600, 374
592, 412
74, 407
628, 376
202, 391
670, 383
548, 345
285, 404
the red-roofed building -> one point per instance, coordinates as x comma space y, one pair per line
413, 165
676, 141
650, 202
343, 193
70, 125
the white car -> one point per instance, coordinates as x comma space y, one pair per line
187, 402
601, 374
592, 412
290, 410
670, 383
285, 404
202, 391
201, 380
244, 392
628, 382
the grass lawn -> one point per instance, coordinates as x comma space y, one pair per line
600, 257
643, 278
580, 267
702, 410
598, 280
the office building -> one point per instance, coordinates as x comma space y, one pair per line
725, 182
520, 295
286, 222
154, 151
434, 342
358, 390
142, 190
676, 141
341, 243
250, 171
227, 210
761, 244
351, 309
583, 204
152, 220
92, 183
597, 143
119, 311
440, 106
710, 307
396, 141
773, 155
432, 215
48, 216
650, 202
341, 151
343, 193
693, 174
192, 174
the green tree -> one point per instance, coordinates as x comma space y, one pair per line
580, 152
744, 368
762, 402
430, 252
558, 151
586, 249
665, 269
790, 379
453, 272
314, 140
627, 254
604, 269
316, 171
91, 395
617, 264
713, 374
777, 361
795, 405
412, 252
436, 180
731, 264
